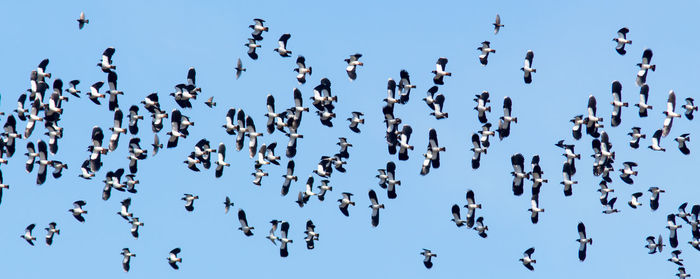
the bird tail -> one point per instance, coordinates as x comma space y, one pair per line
310, 70
352, 203
653, 68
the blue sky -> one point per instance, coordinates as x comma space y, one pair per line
156, 42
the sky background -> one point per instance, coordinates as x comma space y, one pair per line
157, 41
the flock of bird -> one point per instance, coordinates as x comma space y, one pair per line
242, 128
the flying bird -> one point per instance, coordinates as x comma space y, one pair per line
497, 24
247, 230
485, 49
173, 259
427, 261
440, 71
644, 67
682, 143
126, 262
353, 62
78, 210
622, 40
28, 235
527, 259
583, 241
527, 67
690, 107
82, 20
239, 66
375, 206
282, 49
654, 246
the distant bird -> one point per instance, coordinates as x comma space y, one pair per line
210, 102
135, 224
655, 196
655, 140
636, 134
189, 201
355, 120
126, 262
519, 174
252, 45
375, 206
477, 149
50, 231
535, 209
405, 87
440, 71
28, 235
323, 189
427, 261
568, 182
82, 20
527, 67
627, 172
643, 99
617, 103
480, 227
672, 227
311, 234
258, 174
258, 28
72, 90
220, 161
173, 259
471, 207
682, 214
505, 120
690, 107
456, 216
682, 143
78, 210
644, 67
576, 129
634, 203
485, 49
481, 106
288, 177
353, 62
94, 93
497, 24
106, 63
124, 212
156, 144
610, 207
239, 67
653, 246
302, 70
344, 202
622, 40
282, 49
227, 204
681, 273
582, 240
284, 231
247, 230
271, 236
670, 113
527, 259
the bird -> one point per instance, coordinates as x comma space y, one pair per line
456, 216
627, 172
634, 203
643, 99
124, 212
353, 62
302, 70
220, 161
258, 28
344, 202
239, 66
477, 149
135, 224
582, 240
50, 231
173, 259
82, 20
622, 40
527, 67
428, 256
480, 228
258, 174
690, 107
655, 196
655, 140
505, 120
682, 143
323, 189
497, 24
654, 246
440, 71
355, 120
672, 227
636, 134
676, 257
375, 206
390, 180
610, 207
311, 234
485, 49
252, 45
481, 107
282, 49
247, 230
471, 207
284, 230
78, 210
272, 237
535, 209
644, 67
681, 273
527, 259
227, 204
210, 102
405, 87
617, 103
670, 113
189, 201
126, 262
567, 173
28, 234
519, 174
106, 62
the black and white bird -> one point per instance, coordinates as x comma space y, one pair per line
134, 117
94, 93
497, 24
106, 62
311, 234
655, 196
345, 202
682, 143
252, 45
288, 177
519, 174
28, 235
481, 106
113, 92
535, 208
126, 262
355, 121
438, 106
271, 236
428, 256
505, 120
50, 232
440, 71
239, 67
670, 113
681, 273
189, 201
432, 154
656, 140
622, 40
173, 259
653, 245
221, 160
405, 87
72, 90
485, 49
583, 241
636, 134
323, 188
247, 230
353, 62
527, 259
527, 67
675, 258
634, 202
690, 107
643, 99
284, 231
258, 28
456, 216
375, 206
610, 207
477, 149
124, 212
403, 139
78, 210
282, 49
627, 172
617, 103
227, 204
471, 207
480, 227
135, 224
568, 182
644, 67
604, 191
673, 228
82, 20
302, 70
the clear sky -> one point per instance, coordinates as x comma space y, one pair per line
157, 41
